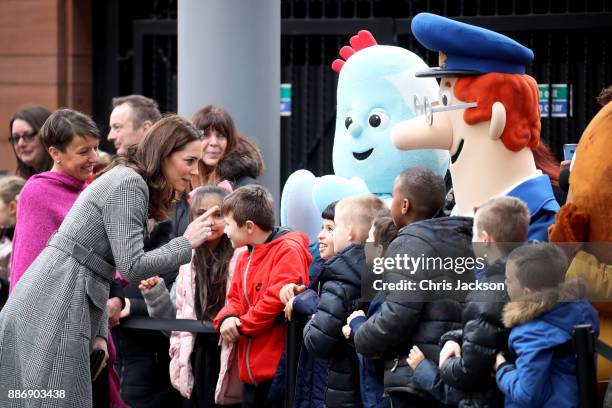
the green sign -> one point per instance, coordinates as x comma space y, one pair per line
553, 100
285, 99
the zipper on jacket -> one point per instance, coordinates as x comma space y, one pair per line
246, 296
395, 364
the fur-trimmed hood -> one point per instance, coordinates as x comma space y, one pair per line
538, 303
244, 161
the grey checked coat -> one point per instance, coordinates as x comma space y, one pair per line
48, 325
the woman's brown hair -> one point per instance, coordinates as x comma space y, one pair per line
35, 116
169, 135
545, 160
214, 118
211, 265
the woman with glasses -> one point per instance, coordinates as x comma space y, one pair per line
32, 157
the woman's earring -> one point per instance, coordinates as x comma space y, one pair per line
58, 162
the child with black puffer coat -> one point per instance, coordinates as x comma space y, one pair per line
467, 354
311, 377
340, 292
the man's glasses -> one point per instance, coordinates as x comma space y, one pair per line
429, 108
26, 137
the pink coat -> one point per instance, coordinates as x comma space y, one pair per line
181, 343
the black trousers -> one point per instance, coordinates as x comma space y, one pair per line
256, 396
405, 400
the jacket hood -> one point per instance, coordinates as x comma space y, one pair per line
453, 234
347, 265
561, 307
296, 239
244, 161
60, 179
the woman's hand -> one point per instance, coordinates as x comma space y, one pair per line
199, 230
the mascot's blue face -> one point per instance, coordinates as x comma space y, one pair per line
376, 91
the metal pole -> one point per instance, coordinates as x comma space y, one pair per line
293, 347
584, 348
229, 55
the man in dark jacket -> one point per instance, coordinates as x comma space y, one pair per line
340, 293
412, 317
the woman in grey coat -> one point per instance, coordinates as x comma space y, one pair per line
56, 314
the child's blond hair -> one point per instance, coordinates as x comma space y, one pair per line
359, 212
10, 187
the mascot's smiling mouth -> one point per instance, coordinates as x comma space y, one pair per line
455, 156
363, 155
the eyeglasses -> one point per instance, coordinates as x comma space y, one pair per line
429, 108
27, 138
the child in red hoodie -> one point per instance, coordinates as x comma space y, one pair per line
276, 256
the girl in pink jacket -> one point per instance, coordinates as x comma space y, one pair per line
200, 369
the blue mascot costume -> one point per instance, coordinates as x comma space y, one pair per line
376, 91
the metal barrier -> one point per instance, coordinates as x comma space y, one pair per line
292, 347
583, 338
187, 325
292, 350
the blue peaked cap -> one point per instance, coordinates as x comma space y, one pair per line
470, 50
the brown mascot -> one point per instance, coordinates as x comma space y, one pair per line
587, 218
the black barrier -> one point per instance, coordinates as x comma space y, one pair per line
186, 325
583, 337
292, 349
584, 349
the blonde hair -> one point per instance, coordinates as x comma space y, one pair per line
10, 186
359, 212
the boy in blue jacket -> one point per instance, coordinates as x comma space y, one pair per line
542, 313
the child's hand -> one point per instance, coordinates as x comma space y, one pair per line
346, 330
289, 308
415, 357
289, 291
147, 284
451, 349
499, 360
229, 329
354, 315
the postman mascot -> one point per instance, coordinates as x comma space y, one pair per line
486, 114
